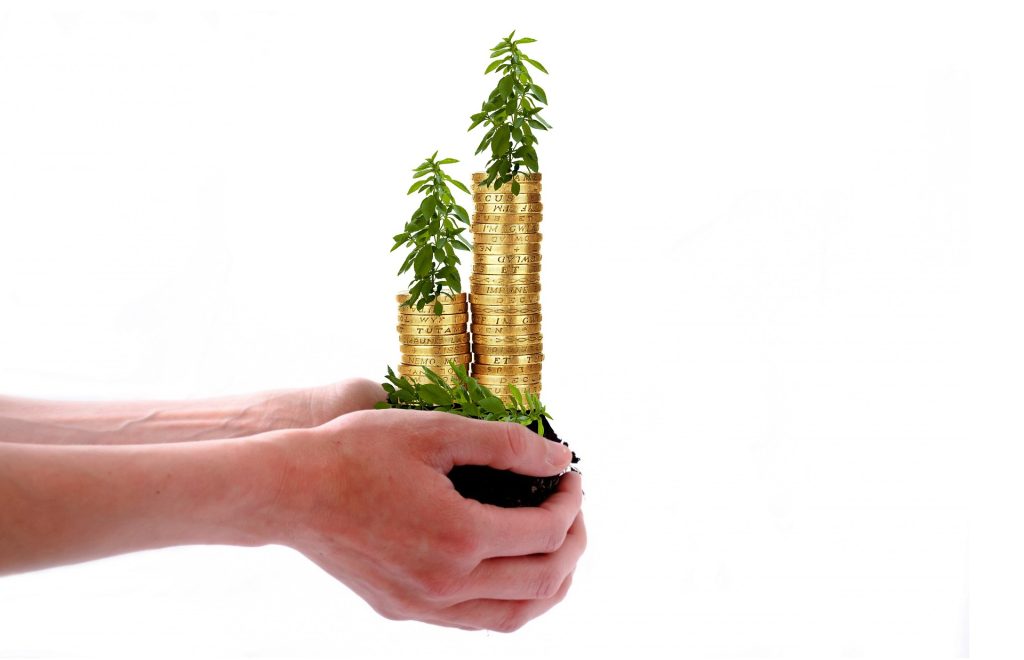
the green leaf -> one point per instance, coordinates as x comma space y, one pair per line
461, 213
438, 308
537, 65
416, 186
524, 40
492, 66
423, 260
539, 93
505, 85
499, 144
447, 161
516, 395
461, 186
427, 206
493, 405
435, 395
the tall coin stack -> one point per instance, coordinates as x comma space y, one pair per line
505, 286
431, 340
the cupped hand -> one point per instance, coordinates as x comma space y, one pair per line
367, 499
313, 406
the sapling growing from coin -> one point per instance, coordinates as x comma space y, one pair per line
433, 234
511, 114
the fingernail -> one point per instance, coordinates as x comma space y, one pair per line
558, 454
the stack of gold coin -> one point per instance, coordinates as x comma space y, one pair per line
431, 340
504, 296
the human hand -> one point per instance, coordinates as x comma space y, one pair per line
313, 406
366, 497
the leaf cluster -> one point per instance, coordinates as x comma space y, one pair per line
466, 397
433, 234
511, 114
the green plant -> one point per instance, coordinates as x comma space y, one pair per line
433, 234
511, 113
466, 397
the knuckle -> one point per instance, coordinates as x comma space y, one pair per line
510, 621
554, 541
547, 585
518, 444
460, 542
439, 587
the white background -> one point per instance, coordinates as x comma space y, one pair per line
758, 229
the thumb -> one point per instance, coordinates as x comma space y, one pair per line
500, 445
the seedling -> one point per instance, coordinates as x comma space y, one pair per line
511, 114
433, 234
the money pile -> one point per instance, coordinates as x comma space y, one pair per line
431, 340
504, 296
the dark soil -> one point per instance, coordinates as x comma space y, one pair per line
504, 488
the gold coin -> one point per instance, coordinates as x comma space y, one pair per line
450, 308
434, 340
506, 218
449, 349
521, 176
533, 358
505, 269
417, 370
420, 330
489, 197
514, 259
535, 207
492, 228
498, 248
504, 379
504, 290
506, 309
506, 239
431, 319
443, 298
435, 360
506, 369
505, 329
505, 280
423, 380
524, 187
509, 340
515, 319
525, 299
514, 349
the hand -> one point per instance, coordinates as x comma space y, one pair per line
367, 499
312, 406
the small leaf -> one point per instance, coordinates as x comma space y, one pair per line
438, 308
434, 394
493, 405
461, 186
539, 93
447, 161
536, 64
524, 40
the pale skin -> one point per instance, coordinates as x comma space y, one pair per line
360, 492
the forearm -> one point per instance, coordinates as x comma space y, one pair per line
62, 505
146, 422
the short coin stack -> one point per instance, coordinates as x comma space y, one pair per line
505, 286
430, 340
